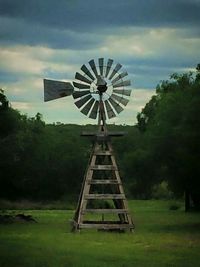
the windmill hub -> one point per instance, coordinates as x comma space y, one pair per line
102, 88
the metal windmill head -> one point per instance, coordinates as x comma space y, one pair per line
102, 81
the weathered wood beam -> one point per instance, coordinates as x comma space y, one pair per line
105, 211
104, 196
102, 153
103, 167
112, 134
101, 181
105, 226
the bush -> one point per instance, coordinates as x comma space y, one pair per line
161, 191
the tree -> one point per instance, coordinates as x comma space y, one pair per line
171, 124
9, 118
3, 100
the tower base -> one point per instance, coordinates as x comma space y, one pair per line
102, 203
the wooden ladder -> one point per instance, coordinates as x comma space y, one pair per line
102, 193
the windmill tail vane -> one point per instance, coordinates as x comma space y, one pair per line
99, 90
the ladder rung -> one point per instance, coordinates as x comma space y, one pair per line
98, 181
104, 196
105, 226
104, 211
103, 153
103, 167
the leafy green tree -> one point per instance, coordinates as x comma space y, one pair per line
171, 124
9, 118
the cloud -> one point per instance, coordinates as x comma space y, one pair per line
86, 15
76, 24
48, 39
19, 61
16, 30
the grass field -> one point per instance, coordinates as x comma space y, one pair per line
162, 237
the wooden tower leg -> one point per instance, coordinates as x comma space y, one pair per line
82, 203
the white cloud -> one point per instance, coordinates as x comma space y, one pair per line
21, 106
20, 61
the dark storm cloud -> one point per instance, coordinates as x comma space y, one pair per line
76, 14
62, 24
162, 62
15, 30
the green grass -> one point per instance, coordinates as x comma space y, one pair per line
162, 238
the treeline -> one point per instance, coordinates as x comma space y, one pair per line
158, 156
170, 125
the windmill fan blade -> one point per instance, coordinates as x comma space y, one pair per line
123, 83
120, 76
117, 67
115, 105
87, 107
101, 65
120, 99
81, 85
56, 89
78, 94
94, 111
82, 101
82, 78
87, 72
109, 110
93, 66
122, 92
108, 67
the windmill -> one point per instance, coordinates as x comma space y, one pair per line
99, 92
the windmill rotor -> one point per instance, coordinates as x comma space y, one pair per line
103, 79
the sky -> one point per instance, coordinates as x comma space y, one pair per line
52, 39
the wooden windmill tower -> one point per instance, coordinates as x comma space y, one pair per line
99, 92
